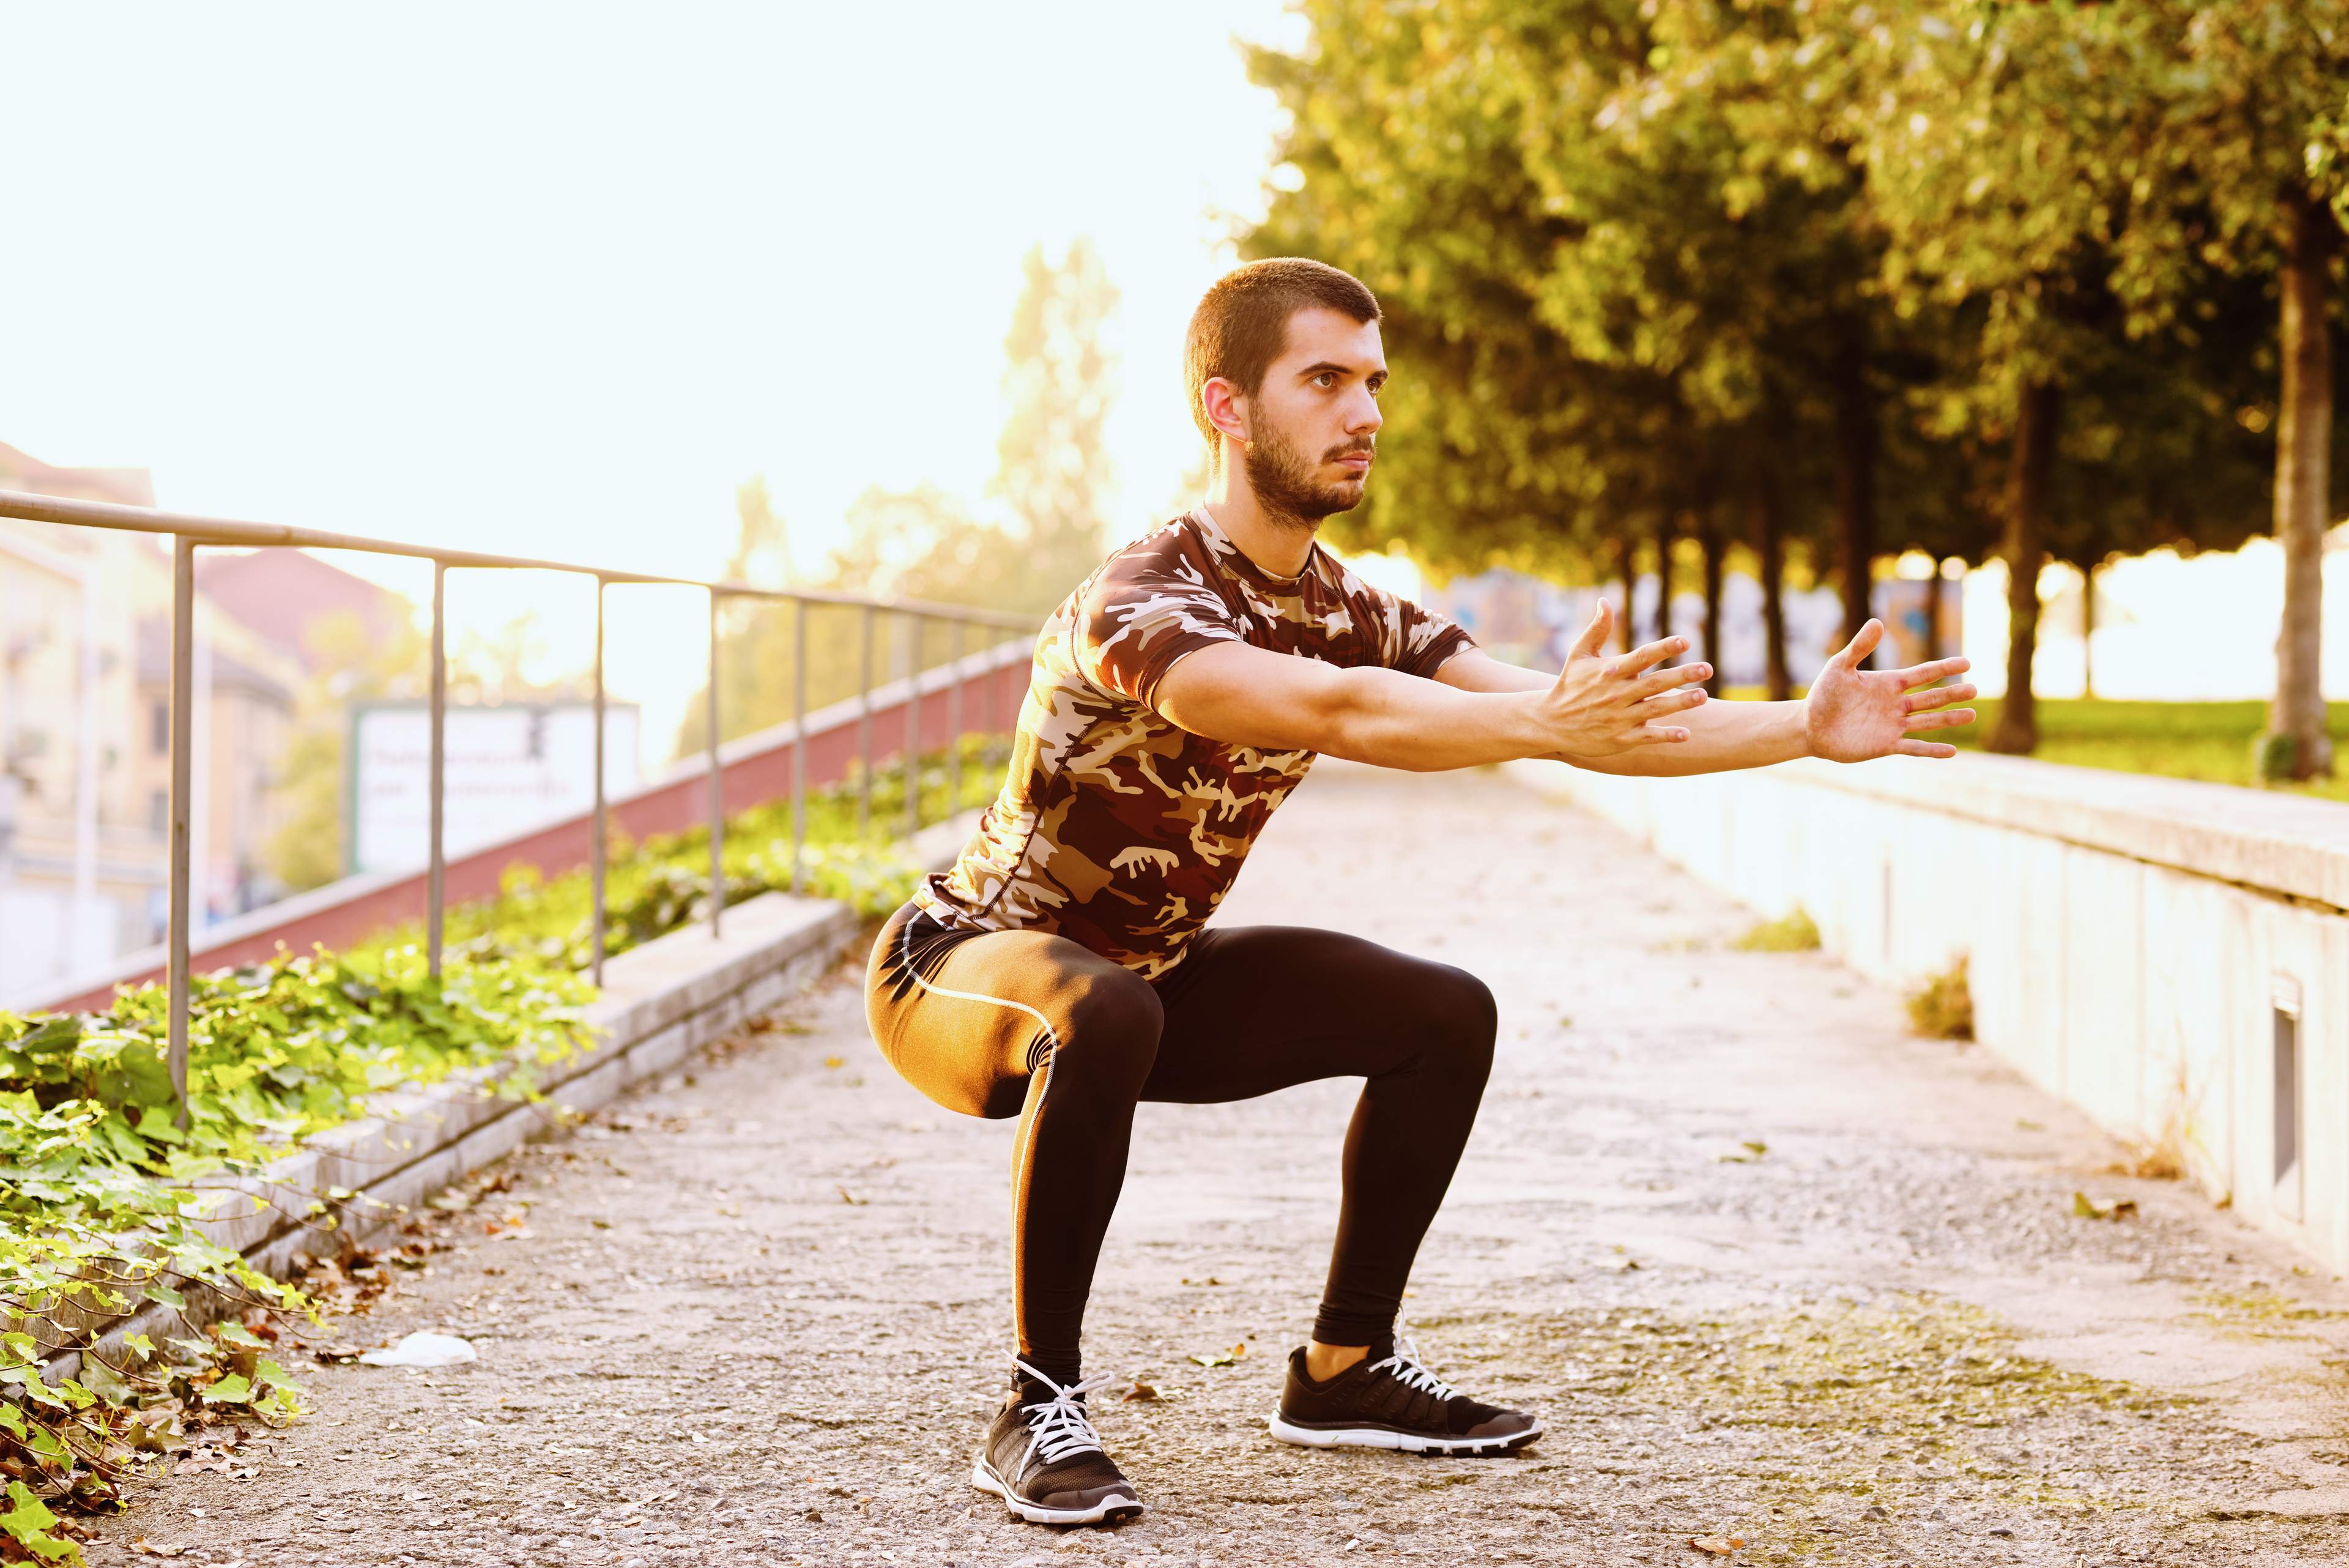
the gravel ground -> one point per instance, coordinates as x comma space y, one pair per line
1772, 1269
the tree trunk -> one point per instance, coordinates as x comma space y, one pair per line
1933, 589
1708, 536
1769, 536
2088, 630
1664, 579
2296, 745
2031, 468
1627, 567
1855, 483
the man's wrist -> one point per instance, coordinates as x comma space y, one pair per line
1801, 708
1529, 736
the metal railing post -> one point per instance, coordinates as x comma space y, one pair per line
799, 738
717, 790
433, 890
596, 926
183, 704
85, 769
913, 726
865, 728
954, 728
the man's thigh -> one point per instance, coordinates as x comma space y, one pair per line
1252, 1009
968, 1024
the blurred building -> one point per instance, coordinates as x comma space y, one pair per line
84, 736
283, 596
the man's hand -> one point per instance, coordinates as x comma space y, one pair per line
1599, 707
1852, 714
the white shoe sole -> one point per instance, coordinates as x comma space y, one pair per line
1407, 1442
986, 1480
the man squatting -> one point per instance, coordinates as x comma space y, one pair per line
1061, 970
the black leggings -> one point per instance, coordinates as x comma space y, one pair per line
1027, 1023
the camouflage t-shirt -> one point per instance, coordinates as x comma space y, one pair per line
1115, 827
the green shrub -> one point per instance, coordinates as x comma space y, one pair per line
1793, 934
1943, 1007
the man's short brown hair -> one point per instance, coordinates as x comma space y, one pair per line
1242, 323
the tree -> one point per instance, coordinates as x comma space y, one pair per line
1621, 279
2011, 155
1053, 478
1501, 445
1060, 382
2253, 139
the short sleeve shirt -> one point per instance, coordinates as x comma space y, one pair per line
1115, 827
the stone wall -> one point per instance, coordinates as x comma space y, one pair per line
2171, 957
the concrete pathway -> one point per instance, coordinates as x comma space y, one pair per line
1773, 1270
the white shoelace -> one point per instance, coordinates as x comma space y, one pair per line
1057, 1427
1411, 1372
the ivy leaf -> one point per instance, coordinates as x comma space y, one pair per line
161, 1124
28, 1523
52, 1040
233, 1389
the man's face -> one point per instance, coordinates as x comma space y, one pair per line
1312, 425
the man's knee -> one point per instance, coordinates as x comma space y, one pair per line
1462, 1014
1111, 1023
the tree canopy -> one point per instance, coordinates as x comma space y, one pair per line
1834, 279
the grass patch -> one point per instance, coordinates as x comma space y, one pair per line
1793, 933
2207, 740
2258, 1312
1845, 1424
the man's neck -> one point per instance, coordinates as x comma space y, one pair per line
1275, 541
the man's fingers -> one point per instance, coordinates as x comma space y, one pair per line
1679, 702
1675, 676
1935, 697
1652, 734
1925, 749
1648, 654
1938, 669
1863, 643
1948, 718
1594, 636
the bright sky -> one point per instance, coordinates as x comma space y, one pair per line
553, 279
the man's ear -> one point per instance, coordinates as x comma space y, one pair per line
1227, 407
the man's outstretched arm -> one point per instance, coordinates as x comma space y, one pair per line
1282, 702
1849, 715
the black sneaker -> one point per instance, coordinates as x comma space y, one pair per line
1388, 1400
1044, 1458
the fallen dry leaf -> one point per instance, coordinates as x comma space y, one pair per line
1140, 1390
1719, 1545
2088, 1207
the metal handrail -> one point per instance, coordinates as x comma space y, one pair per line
191, 532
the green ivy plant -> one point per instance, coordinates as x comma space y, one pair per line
99, 1215
99, 1210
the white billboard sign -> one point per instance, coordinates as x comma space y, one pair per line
508, 769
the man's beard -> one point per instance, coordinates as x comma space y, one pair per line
1282, 478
